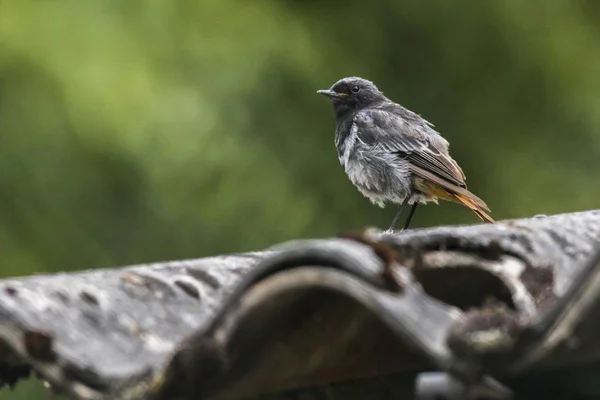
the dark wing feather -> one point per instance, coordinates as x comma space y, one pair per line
411, 137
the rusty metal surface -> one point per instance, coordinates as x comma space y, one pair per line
485, 300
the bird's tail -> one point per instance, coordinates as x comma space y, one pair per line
436, 187
471, 202
462, 196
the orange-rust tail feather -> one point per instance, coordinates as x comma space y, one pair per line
447, 191
463, 199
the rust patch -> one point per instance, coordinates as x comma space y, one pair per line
386, 254
488, 333
89, 298
494, 250
205, 277
153, 284
11, 291
188, 288
39, 345
539, 281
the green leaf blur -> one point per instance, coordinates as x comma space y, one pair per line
138, 131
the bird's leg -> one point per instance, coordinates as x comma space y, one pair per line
398, 214
410, 214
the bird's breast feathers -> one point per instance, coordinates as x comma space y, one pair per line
379, 174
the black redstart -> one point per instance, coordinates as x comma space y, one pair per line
392, 154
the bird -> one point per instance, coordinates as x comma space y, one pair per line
393, 155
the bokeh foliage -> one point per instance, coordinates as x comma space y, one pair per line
135, 131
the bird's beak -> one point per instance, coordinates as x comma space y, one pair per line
331, 94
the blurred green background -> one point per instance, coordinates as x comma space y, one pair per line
137, 131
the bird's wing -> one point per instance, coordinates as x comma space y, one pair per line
411, 137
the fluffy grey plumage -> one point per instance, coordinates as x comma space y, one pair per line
392, 154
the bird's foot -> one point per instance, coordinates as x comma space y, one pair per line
391, 231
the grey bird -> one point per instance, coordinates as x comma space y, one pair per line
392, 154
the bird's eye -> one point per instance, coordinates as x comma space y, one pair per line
355, 89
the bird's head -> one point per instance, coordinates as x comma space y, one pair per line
352, 93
